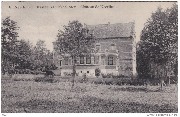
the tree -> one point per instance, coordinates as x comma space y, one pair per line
9, 36
24, 49
42, 57
39, 53
157, 50
73, 42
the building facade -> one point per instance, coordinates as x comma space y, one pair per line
114, 53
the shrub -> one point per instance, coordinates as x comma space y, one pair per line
97, 72
67, 74
110, 75
98, 81
107, 75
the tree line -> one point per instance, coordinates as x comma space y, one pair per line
19, 55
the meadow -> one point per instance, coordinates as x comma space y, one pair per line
26, 94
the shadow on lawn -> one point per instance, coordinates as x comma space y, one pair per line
90, 105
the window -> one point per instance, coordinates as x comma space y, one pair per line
70, 61
113, 47
98, 47
81, 59
60, 62
88, 60
66, 61
96, 60
110, 60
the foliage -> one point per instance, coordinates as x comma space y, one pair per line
24, 60
74, 41
9, 36
157, 49
18, 55
43, 58
110, 75
97, 72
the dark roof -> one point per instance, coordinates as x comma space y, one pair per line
112, 30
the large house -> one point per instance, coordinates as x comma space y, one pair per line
115, 52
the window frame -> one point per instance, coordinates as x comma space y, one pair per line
110, 60
88, 57
81, 58
66, 61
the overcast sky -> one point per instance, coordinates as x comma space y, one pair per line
43, 23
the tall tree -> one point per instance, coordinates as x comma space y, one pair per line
24, 49
73, 42
9, 36
39, 53
158, 46
42, 57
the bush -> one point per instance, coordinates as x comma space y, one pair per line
110, 75
107, 75
98, 81
118, 81
136, 82
97, 72
67, 74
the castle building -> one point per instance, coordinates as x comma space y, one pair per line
115, 52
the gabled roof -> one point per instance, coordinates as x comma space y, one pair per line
112, 30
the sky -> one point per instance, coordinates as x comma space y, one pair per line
42, 20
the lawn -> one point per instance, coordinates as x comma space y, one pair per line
22, 94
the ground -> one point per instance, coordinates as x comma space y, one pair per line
22, 94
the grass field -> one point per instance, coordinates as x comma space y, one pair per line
22, 94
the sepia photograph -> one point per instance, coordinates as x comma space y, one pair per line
89, 57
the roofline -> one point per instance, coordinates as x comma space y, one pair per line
115, 37
109, 23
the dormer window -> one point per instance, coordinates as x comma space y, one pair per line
98, 47
113, 47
